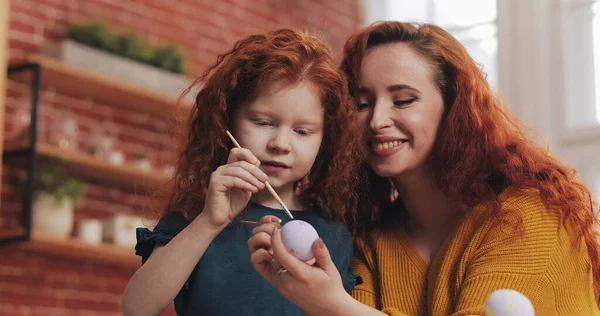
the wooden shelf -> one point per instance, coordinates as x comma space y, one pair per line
87, 166
108, 90
11, 232
76, 249
101, 170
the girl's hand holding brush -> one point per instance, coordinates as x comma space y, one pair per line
230, 187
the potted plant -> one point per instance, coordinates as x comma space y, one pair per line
93, 46
56, 196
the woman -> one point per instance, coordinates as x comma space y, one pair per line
460, 202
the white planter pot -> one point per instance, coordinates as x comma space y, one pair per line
51, 217
143, 164
114, 66
119, 229
116, 157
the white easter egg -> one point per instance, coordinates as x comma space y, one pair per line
298, 237
507, 302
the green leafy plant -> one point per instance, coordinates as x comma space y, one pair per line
169, 57
134, 47
140, 156
53, 179
96, 34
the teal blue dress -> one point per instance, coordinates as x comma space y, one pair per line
224, 281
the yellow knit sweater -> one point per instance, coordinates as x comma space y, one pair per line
536, 257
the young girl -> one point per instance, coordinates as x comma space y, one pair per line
286, 103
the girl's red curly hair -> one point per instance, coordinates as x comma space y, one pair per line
480, 149
235, 79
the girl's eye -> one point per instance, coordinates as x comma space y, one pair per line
404, 102
262, 123
302, 131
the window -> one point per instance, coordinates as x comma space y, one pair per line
472, 22
580, 126
582, 51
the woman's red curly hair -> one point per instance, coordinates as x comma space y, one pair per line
480, 149
235, 79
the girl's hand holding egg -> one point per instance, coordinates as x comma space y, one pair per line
297, 237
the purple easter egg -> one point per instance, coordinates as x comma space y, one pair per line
298, 237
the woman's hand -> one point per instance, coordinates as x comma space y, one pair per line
231, 186
317, 289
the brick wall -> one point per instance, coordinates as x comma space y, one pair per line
32, 283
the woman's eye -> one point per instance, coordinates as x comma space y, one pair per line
404, 102
362, 106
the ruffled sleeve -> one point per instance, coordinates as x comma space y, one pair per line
349, 278
351, 281
167, 228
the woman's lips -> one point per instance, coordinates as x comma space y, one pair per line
387, 148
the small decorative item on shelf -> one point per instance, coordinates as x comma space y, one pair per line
100, 143
142, 162
119, 229
57, 194
63, 131
90, 231
116, 157
21, 126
